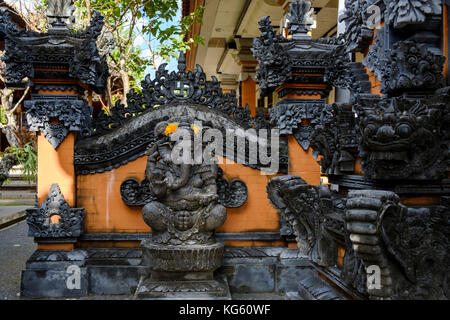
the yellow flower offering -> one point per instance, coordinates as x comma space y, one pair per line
171, 128
195, 129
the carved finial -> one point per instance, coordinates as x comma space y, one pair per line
60, 13
182, 62
300, 18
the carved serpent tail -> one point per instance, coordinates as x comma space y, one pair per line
365, 210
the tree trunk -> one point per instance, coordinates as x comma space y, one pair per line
88, 10
125, 77
12, 138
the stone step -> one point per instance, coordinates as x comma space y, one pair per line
314, 288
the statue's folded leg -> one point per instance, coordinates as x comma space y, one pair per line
216, 217
156, 215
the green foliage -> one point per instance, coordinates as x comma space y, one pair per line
26, 156
156, 21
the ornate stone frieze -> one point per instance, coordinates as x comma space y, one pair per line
176, 87
231, 194
405, 12
410, 66
343, 73
55, 218
408, 246
334, 138
25, 50
71, 112
274, 64
130, 141
358, 34
125, 133
404, 137
288, 114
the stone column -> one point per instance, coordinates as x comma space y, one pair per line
60, 66
294, 69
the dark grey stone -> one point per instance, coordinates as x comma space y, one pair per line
253, 278
51, 283
114, 280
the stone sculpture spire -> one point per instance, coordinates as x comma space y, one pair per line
60, 14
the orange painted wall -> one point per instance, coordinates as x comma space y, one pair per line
99, 194
257, 213
56, 166
302, 163
249, 94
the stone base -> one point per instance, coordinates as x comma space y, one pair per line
214, 289
119, 271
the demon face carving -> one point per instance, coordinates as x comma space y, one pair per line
404, 137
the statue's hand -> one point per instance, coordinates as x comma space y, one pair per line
169, 182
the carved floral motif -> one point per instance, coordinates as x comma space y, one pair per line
72, 113
405, 12
54, 218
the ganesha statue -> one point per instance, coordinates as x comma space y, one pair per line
183, 217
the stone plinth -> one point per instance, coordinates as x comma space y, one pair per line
182, 272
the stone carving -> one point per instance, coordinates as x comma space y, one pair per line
375, 59
55, 218
410, 67
299, 17
343, 73
274, 64
60, 13
171, 88
404, 138
126, 133
183, 219
26, 50
136, 194
72, 113
304, 207
288, 114
186, 211
406, 67
334, 138
405, 12
381, 229
358, 35
231, 194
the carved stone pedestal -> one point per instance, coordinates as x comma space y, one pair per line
182, 272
